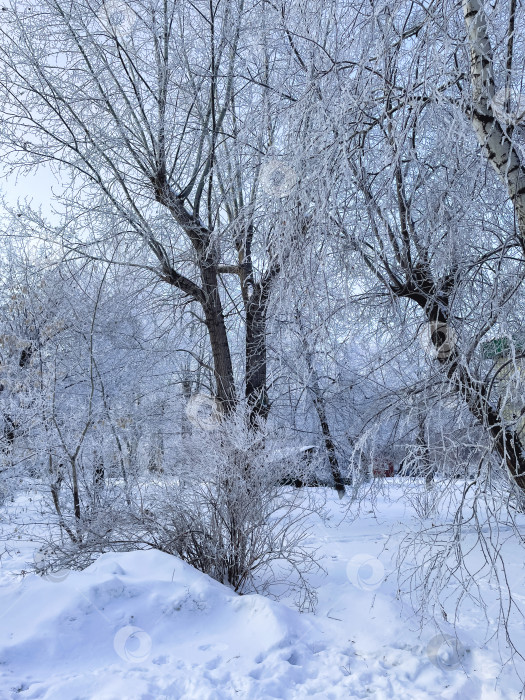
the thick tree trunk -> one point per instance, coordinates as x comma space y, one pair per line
255, 296
216, 325
256, 367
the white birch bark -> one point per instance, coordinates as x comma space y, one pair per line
493, 135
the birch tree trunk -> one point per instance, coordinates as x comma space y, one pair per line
494, 136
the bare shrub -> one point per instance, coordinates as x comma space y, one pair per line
222, 509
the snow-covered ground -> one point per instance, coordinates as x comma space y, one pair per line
145, 625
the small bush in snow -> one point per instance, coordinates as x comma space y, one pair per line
222, 509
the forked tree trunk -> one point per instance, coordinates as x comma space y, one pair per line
207, 295
506, 442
